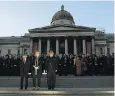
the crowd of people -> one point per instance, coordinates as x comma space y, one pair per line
78, 65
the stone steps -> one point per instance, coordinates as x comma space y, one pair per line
65, 82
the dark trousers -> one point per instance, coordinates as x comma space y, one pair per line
26, 81
60, 71
65, 70
51, 79
38, 77
74, 70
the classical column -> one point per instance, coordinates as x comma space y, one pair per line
48, 45
105, 50
57, 46
66, 46
84, 46
93, 46
39, 45
75, 46
31, 45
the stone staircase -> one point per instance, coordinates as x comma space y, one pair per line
65, 82
65, 85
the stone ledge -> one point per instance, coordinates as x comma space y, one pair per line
58, 91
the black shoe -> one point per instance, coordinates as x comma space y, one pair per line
25, 88
49, 88
52, 88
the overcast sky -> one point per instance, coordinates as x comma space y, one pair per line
17, 17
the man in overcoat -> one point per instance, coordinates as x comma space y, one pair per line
51, 68
37, 70
24, 69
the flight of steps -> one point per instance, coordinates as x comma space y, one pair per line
65, 85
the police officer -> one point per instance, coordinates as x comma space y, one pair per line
37, 70
24, 69
51, 68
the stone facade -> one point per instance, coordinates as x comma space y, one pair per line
62, 34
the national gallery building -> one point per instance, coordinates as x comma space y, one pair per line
63, 36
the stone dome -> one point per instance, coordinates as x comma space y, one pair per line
62, 14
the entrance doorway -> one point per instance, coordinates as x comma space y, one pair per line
70, 45
43, 45
53, 44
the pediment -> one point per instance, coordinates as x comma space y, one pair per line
62, 28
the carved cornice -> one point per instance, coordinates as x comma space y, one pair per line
62, 34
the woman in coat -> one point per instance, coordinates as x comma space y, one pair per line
77, 64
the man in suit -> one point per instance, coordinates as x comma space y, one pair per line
37, 70
51, 68
24, 69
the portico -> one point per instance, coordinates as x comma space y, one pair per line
63, 36
77, 44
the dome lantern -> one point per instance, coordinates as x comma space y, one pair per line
62, 7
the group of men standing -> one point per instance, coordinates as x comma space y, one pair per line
36, 63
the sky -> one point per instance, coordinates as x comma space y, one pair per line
16, 17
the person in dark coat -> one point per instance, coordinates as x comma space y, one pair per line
70, 64
65, 68
43, 63
24, 69
83, 65
101, 65
51, 69
92, 66
112, 64
7, 65
12, 67
37, 70
1, 65
18, 65
60, 65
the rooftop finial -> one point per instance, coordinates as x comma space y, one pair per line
62, 7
